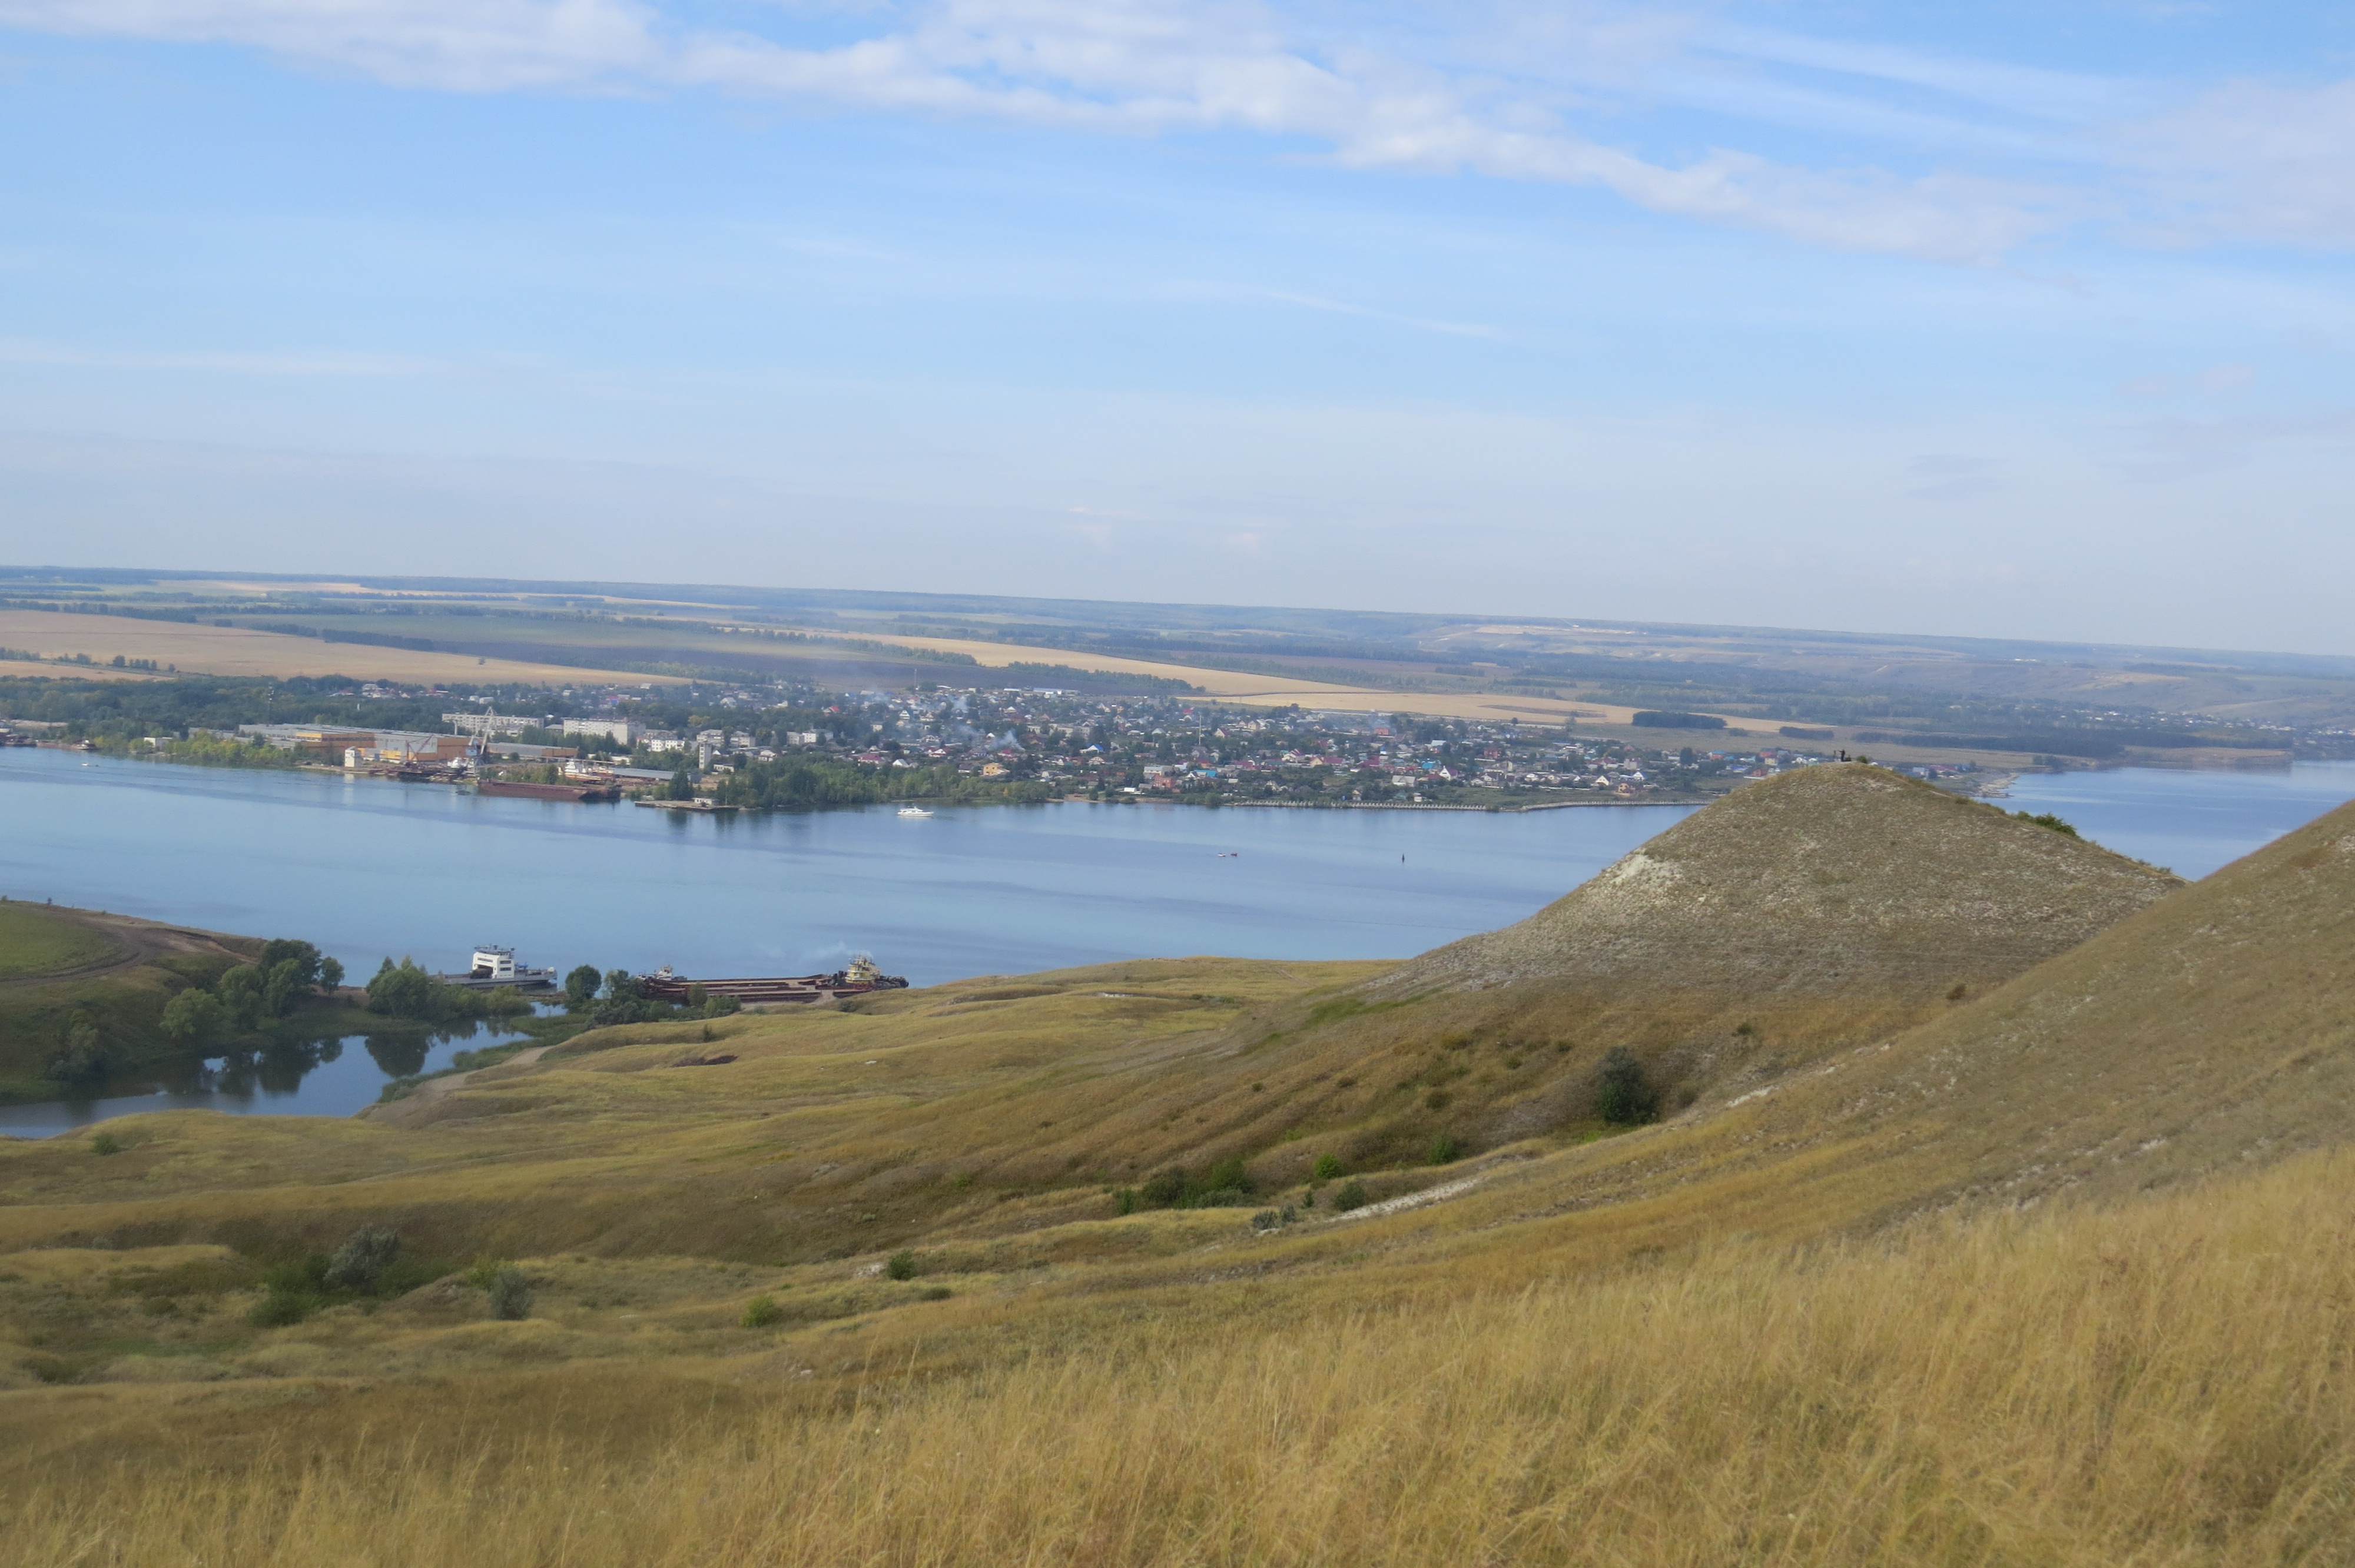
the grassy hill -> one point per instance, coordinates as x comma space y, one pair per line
1841, 879
2051, 1271
112, 973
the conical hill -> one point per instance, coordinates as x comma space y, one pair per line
2213, 1032
1837, 878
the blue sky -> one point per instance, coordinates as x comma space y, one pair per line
2005, 320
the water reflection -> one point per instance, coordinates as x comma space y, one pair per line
293, 1075
399, 1054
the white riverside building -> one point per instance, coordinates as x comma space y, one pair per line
493, 723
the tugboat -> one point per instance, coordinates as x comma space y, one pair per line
495, 967
860, 977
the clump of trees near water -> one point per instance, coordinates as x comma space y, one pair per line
807, 783
248, 997
406, 991
615, 997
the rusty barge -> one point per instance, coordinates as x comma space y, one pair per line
861, 977
584, 792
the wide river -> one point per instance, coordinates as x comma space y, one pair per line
370, 869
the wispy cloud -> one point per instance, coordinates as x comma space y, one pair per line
1510, 90
1367, 312
2253, 161
67, 355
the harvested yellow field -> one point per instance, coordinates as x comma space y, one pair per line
236, 650
1281, 691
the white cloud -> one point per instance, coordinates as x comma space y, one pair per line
2256, 161
1134, 66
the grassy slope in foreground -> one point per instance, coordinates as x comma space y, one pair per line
1569, 1361
2084, 1388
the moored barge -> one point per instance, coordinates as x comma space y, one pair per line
860, 978
584, 792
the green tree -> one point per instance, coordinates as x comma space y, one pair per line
194, 1017
284, 984
82, 1056
302, 955
331, 974
680, 787
241, 991
580, 987
405, 991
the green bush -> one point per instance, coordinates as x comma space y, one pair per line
1445, 1151
362, 1263
1327, 1167
1623, 1095
106, 1143
1227, 1176
280, 1308
761, 1311
902, 1265
2046, 819
1126, 1201
1163, 1188
510, 1293
1352, 1196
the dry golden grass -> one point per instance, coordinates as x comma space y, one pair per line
2159, 1385
237, 651
1801, 1320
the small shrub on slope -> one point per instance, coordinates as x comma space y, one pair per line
1624, 1095
510, 1293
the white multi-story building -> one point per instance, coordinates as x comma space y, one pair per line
490, 723
626, 731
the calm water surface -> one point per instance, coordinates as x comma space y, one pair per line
2189, 822
368, 868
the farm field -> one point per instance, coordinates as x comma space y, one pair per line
241, 650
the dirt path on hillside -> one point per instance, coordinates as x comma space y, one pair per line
432, 1091
138, 942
